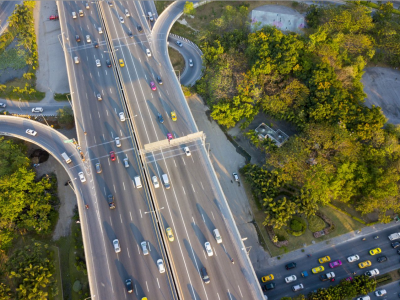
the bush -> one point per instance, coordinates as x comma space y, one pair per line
315, 223
297, 226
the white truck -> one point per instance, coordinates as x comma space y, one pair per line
327, 276
394, 236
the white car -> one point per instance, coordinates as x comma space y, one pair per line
290, 278
82, 177
117, 142
235, 176
371, 273
208, 249
117, 248
144, 247
127, 13
122, 116
179, 43
190, 63
3, 105
353, 258
126, 162
100, 30
37, 109
148, 52
364, 298
31, 132
187, 151
88, 39
160, 265
98, 63
121, 19
380, 293
155, 182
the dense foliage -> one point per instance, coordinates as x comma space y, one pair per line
343, 151
360, 285
25, 203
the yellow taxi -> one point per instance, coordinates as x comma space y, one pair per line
318, 269
170, 234
324, 259
144, 298
173, 116
364, 264
375, 251
121, 63
267, 278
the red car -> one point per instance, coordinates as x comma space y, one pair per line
153, 86
112, 155
169, 136
54, 17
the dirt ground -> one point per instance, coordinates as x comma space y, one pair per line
382, 85
65, 193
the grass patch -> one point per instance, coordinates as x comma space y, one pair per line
184, 31
376, 6
178, 63
315, 223
13, 58
60, 97
161, 5
21, 83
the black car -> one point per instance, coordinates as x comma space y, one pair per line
130, 34
395, 244
77, 38
382, 259
108, 63
111, 203
96, 44
159, 80
129, 285
291, 265
204, 275
268, 286
139, 28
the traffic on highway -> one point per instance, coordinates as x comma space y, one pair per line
158, 225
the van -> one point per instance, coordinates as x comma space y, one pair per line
138, 182
76, 59
297, 287
217, 236
150, 16
81, 12
165, 181
66, 157
74, 15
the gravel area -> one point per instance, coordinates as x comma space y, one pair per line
52, 72
382, 85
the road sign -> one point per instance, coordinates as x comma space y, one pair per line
68, 141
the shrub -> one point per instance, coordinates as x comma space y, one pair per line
315, 223
297, 226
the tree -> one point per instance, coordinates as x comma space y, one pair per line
189, 9
66, 116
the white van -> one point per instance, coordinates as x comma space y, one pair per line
150, 16
66, 157
165, 181
217, 236
138, 182
76, 59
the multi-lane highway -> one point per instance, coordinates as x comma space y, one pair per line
129, 221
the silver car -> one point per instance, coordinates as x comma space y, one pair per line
98, 168
117, 247
37, 109
126, 163
82, 177
144, 248
98, 63
155, 182
160, 265
117, 142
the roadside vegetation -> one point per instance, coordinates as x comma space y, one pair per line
344, 163
21, 31
30, 259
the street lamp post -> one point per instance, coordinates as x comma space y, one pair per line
45, 120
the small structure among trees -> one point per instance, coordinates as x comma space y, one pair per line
278, 136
